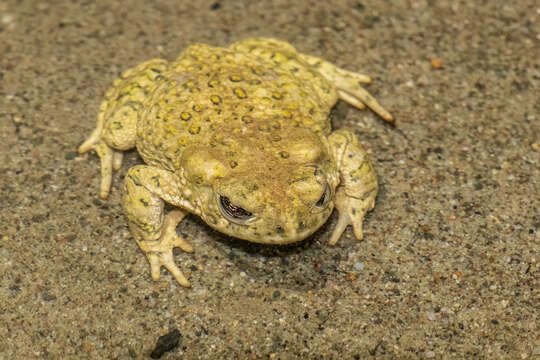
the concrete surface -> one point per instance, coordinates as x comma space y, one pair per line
448, 269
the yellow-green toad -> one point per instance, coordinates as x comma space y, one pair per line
239, 136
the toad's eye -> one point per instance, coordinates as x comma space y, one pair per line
234, 213
325, 197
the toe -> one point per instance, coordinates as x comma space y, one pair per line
117, 160
183, 244
106, 155
168, 262
155, 265
343, 221
357, 228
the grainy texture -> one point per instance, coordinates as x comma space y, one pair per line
449, 264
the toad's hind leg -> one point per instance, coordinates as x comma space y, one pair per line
116, 128
346, 82
348, 86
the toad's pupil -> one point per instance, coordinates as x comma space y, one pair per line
323, 198
232, 210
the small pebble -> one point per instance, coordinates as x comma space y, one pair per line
166, 343
359, 266
7, 18
436, 63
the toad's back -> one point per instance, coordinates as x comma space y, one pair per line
209, 92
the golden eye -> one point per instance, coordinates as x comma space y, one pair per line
234, 213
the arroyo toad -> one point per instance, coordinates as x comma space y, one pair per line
240, 137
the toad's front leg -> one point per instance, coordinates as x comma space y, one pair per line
145, 189
355, 195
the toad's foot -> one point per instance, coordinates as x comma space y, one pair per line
160, 252
351, 212
356, 193
110, 160
347, 83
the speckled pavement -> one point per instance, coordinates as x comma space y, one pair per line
449, 265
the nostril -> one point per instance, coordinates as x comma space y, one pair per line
279, 230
